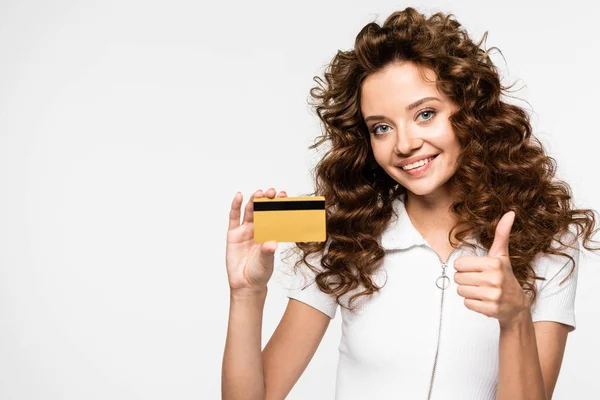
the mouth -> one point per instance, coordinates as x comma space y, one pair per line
420, 168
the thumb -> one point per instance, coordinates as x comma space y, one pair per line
266, 255
267, 250
499, 247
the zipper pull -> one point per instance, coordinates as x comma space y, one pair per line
443, 281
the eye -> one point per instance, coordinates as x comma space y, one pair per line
374, 129
430, 112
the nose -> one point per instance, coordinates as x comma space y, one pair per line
407, 141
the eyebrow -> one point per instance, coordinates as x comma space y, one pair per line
408, 108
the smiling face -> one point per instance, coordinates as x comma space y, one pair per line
399, 134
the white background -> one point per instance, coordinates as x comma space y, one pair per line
126, 128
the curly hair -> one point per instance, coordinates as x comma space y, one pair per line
501, 167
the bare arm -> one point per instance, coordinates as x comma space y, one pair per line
242, 373
551, 340
249, 373
291, 347
530, 358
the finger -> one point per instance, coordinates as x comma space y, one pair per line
483, 307
470, 264
267, 251
249, 210
473, 292
282, 194
499, 247
270, 193
469, 278
234, 213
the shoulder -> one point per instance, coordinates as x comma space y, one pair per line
305, 289
550, 265
555, 300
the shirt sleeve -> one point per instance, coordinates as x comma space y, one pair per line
304, 288
556, 300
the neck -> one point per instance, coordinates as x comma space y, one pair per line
430, 213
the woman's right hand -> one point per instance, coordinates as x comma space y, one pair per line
249, 264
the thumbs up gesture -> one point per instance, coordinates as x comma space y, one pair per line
488, 283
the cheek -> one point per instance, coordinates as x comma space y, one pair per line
452, 156
379, 152
448, 143
448, 140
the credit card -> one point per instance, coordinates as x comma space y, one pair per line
289, 219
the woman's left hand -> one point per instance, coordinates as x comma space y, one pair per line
488, 283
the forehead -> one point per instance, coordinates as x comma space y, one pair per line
396, 86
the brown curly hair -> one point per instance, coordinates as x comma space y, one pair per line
502, 167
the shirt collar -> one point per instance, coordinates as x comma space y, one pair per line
401, 234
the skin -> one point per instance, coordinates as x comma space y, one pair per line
530, 353
403, 134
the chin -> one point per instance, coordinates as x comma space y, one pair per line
423, 187
427, 187
421, 191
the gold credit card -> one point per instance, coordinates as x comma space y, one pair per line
289, 219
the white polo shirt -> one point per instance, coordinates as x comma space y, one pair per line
388, 343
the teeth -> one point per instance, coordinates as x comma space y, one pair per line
417, 164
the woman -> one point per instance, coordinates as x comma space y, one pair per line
429, 174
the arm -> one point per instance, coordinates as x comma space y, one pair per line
242, 370
291, 347
530, 358
249, 373
531, 353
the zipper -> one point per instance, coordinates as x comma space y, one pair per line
442, 282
